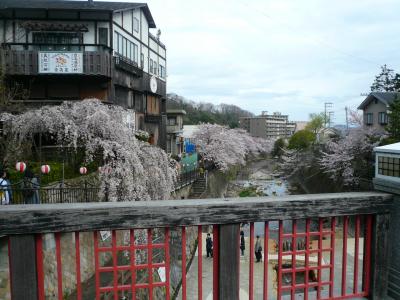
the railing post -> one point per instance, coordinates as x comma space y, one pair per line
380, 257
24, 285
228, 250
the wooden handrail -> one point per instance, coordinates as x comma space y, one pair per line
23, 219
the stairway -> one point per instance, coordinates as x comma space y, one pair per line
198, 188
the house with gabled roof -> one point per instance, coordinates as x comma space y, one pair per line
375, 109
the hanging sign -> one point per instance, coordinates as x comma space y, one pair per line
60, 62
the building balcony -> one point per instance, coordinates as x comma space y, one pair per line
26, 60
308, 244
127, 65
174, 129
151, 118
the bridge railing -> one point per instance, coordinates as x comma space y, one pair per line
320, 246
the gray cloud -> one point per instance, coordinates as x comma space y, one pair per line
284, 55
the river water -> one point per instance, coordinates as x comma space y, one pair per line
260, 175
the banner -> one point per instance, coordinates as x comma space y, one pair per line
60, 62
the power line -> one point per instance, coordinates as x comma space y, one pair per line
315, 40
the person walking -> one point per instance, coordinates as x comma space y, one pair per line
242, 245
258, 249
4, 188
30, 188
209, 245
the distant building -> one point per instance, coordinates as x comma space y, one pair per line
268, 126
175, 140
300, 125
72, 50
375, 108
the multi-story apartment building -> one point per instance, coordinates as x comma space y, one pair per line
375, 109
269, 126
72, 50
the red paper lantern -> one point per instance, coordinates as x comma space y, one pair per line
20, 166
45, 169
83, 170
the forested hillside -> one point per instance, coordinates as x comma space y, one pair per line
200, 112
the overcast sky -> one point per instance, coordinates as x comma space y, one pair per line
278, 55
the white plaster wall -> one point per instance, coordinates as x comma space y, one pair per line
127, 24
118, 18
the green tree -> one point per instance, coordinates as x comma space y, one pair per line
302, 139
384, 81
317, 122
279, 145
393, 128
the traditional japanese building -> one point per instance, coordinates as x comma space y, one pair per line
72, 50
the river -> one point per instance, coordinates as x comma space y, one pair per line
262, 177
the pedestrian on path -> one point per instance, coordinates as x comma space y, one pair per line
242, 245
209, 245
30, 188
258, 249
5, 197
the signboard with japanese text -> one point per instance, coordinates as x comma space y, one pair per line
60, 62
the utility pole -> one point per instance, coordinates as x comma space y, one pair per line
330, 116
328, 105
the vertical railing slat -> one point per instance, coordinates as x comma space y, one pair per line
265, 281
59, 266
167, 265
199, 263
229, 261
78, 267
215, 262
183, 263
39, 266
344, 254
251, 267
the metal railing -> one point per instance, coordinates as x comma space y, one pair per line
18, 193
320, 246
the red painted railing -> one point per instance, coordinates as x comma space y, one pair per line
312, 258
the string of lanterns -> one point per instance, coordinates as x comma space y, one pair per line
45, 169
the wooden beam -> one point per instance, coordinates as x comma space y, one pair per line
23, 267
380, 257
21, 219
229, 261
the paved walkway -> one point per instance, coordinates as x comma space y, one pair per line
192, 288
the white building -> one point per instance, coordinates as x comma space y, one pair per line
268, 126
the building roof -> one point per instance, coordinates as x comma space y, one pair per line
171, 111
189, 130
385, 97
392, 148
78, 5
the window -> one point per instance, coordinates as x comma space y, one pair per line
120, 44
103, 36
136, 24
135, 53
151, 65
142, 60
61, 41
383, 118
155, 68
369, 119
162, 71
389, 166
171, 121
126, 48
